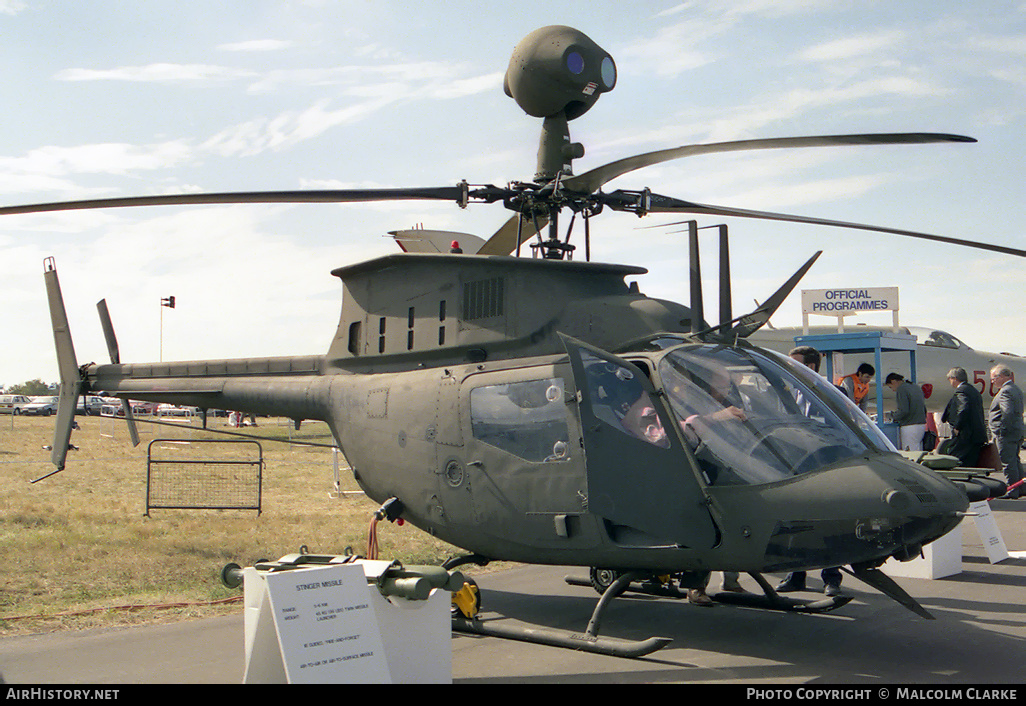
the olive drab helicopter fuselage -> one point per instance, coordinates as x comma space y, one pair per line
504, 424
544, 410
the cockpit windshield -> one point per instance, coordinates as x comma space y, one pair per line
750, 418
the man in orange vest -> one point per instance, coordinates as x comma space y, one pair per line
856, 385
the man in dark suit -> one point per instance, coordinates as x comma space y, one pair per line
1006, 425
965, 415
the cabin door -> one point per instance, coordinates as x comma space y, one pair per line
639, 474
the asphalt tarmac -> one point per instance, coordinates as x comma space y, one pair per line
978, 637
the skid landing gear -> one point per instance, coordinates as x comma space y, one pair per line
647, 584
588, 641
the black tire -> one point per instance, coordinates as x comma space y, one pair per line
601, 579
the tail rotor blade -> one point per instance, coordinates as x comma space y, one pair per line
115, 358
108, 332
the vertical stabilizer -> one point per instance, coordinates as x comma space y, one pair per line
71, 382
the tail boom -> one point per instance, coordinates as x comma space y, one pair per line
290, 387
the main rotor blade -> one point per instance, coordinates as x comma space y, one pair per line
445, 193
592, 180
665, 204
505, 242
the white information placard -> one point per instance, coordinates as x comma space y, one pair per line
327, 626
990, 535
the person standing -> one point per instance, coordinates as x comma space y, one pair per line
910, 416
856, 385
1006, 425
965, 415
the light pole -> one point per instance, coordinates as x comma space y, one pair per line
169, 302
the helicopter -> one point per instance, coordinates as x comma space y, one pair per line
542, 410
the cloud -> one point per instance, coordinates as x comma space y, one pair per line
852, 47
257, 45
106, 158
1013, 44
11, 7
287, 129
156, 73
671, 50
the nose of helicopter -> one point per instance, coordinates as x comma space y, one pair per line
930, 504
861, 512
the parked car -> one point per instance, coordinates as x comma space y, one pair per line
41, 406
90, 404
13, 404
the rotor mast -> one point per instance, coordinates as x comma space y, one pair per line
556, 73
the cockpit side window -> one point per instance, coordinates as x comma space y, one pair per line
527, 419
941, 340
619, 399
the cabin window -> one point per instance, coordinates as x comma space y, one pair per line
527, 419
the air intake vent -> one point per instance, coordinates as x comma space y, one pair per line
924, 495
483, 299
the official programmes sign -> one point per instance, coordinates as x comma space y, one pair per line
845, 302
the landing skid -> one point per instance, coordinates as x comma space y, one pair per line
769, 600
588, 641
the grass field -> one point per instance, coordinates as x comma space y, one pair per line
77, 547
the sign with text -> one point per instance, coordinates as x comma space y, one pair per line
327, 626
990, 535
848, 301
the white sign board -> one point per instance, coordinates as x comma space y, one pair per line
325, 624
990, 535
848, 301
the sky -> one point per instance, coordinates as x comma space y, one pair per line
109, 99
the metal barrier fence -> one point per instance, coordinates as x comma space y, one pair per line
194, 475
